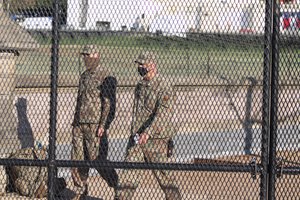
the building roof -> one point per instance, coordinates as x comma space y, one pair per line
13, 37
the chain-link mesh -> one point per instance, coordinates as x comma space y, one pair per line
149, 99
287, 140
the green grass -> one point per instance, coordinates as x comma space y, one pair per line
190, 60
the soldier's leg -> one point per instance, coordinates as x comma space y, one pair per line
108, 174
91, 141
79, 175
129, 179
167, 184
41, 188
22, 187
155, 152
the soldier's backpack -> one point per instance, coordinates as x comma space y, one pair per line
30, 181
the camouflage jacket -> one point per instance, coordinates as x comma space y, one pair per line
96, 98
153, 108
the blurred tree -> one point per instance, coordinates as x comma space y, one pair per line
48, 3
15, 5
43, 3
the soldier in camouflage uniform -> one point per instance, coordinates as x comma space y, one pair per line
94, 112
151, 130
31, 181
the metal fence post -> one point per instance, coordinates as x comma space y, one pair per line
53, 101
266, 100
270, 98
274, 101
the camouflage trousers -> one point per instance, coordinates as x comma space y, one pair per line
154, 151
87, 146
31, 181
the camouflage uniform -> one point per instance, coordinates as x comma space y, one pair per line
152, 113
95, 108
27, 180
31, 181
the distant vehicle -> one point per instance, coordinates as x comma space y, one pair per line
33, 23
37, 18
37, 23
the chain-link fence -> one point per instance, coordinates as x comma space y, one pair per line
149, 99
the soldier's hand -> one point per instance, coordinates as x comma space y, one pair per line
143, 138
100, 132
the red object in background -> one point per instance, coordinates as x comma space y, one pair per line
291, 20
297, 16
246, 31
298, 23
287, 1
286, 23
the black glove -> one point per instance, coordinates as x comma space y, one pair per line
170, 148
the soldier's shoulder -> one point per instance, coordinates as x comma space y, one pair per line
101, 72
101, 69
163, 82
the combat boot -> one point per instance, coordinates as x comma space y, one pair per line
83, 195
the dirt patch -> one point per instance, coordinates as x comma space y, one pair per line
284, 158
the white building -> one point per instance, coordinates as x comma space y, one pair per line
117, 15
108, 15
170, 17
226, 16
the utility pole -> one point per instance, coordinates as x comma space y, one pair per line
84, 5
8, 6
5, 5
1, 4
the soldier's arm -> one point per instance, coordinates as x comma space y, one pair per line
164, 114
108, 95
160, 118
105, 112
149, 121
78, 101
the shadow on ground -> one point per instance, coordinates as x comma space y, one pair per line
68, 194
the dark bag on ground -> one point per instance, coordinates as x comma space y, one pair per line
171, 145
30, 181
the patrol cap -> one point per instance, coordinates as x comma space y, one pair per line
145, 57
89, 49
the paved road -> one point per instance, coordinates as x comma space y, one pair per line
201, 145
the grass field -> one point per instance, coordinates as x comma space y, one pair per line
186, 61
